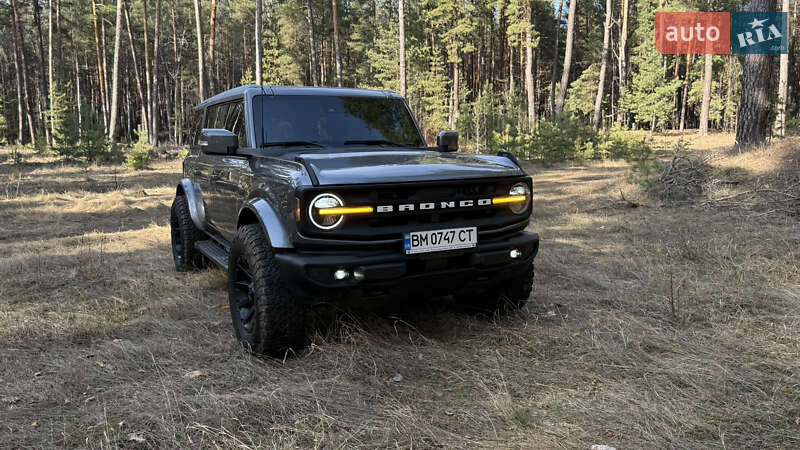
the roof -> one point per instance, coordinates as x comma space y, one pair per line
254, 89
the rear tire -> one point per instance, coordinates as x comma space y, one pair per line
184, 235
267, 318
509, 297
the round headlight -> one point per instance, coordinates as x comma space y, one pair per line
520, 189
326, 221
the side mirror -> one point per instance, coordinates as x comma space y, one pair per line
447, 141
218, 141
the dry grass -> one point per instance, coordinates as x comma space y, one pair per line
711, 142
650, 327
763, 181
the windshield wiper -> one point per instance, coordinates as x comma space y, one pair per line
292, 144
376, 142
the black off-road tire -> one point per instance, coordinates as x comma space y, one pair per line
511, 296
184, 235
267, 318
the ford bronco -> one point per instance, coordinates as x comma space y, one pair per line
302, 193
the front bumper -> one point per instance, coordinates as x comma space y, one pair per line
374, 273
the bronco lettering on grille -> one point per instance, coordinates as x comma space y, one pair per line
407, 207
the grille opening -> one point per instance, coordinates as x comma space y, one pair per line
392, 225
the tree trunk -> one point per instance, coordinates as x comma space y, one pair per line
115, 74
752, 121
401, 19
200, 69
598, 101
311, 44
501, 44
148, 78
154, 116
105, 66
259, 79
100, 80
142, 101
338, 53
511, 68
529, 69
58, 37
212, 67
521, 64
684, 96
708, 76
51, 68
78, 95
19, 43
178, 79
623, 57
37, 16
20, 109
453, 122
168, 101
562, 90
676, 75
783, 84
555, 61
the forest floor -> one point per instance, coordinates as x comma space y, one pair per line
654, 326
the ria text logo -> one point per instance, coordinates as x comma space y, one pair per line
721, 33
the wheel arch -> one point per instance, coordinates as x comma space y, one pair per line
194, 197
260, 212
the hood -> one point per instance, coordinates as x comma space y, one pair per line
404, 165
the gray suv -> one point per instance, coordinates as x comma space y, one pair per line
301, 193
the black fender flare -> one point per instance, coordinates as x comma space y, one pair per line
274, 229
194, 197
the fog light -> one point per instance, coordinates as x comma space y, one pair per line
341, 274
514, 253
358, 275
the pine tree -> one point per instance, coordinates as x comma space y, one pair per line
279, 67
141, 155
581, 93
65, 133
650, 95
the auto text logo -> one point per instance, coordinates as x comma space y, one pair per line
721, 33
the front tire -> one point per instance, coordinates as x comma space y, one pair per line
267, 319
511, 296
184, 235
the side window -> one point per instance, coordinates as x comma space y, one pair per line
197, 125
212, 112
220, 116
235, 122
228, 116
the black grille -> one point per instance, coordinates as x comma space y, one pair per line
490, 219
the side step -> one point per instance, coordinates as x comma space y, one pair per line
214, 252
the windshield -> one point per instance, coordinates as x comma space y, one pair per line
334, 121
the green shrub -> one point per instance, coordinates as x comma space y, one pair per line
569, 139
792, 125
82, 138
94, 145
623, 144
564, 139
141, 155
646, 164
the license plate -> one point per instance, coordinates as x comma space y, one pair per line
440, 240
